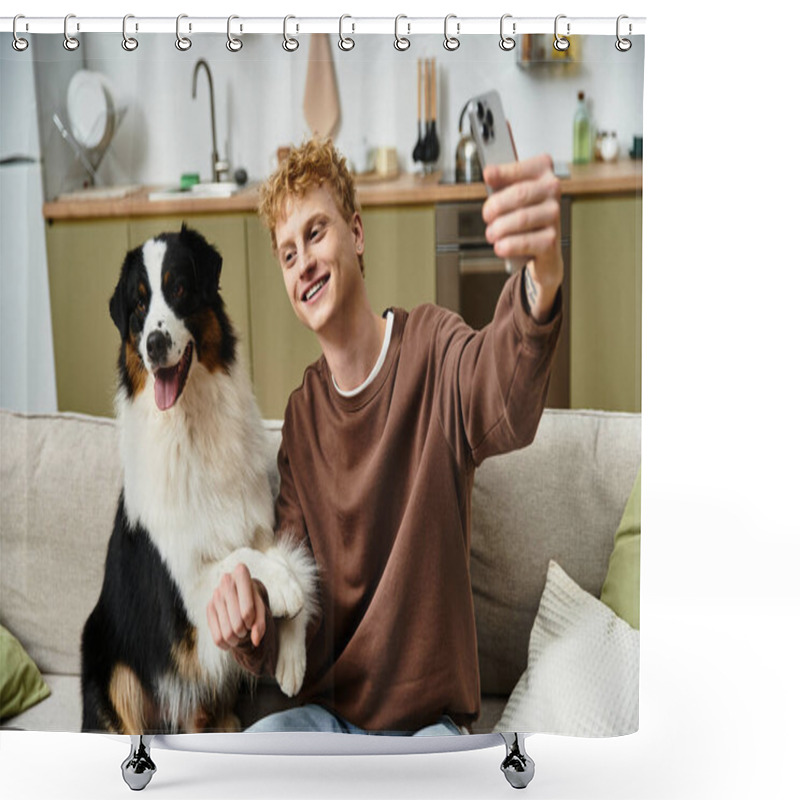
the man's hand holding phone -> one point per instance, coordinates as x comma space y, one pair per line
523, 221
523, 212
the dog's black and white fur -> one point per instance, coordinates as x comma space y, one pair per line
195, 502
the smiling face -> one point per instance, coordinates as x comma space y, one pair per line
319, 251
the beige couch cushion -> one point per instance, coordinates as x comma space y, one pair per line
582, 677
560, 498
60, 482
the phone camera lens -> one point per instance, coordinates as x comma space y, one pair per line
486, 132
481, 111
489, 117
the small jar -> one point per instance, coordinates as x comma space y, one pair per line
609, 147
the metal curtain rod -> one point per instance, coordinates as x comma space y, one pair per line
407, 26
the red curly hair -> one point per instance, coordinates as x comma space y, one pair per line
314, 163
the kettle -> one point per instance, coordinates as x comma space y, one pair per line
468, 167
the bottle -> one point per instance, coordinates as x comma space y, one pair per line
581, 134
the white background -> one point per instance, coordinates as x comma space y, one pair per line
720, 603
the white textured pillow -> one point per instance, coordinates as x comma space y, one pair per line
582, 677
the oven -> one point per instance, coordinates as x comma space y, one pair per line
470, 277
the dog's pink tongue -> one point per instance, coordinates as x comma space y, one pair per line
167, 382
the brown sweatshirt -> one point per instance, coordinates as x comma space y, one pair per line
379, 486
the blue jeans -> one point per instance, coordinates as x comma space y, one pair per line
316, 718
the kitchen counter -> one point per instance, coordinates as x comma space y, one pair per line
406, 189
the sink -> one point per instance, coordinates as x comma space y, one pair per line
221, 189
200, 191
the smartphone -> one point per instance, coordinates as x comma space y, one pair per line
492, 137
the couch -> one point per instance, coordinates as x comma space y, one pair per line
559, 499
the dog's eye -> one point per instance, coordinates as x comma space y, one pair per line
179, 290
141, 306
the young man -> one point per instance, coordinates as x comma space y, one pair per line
380, 444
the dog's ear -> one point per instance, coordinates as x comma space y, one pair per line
207, 262
118, 305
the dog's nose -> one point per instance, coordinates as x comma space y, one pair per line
157, 347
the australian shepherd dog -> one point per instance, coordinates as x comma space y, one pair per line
195, 502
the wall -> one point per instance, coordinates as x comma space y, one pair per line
259, 96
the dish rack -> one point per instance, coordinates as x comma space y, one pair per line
89, 157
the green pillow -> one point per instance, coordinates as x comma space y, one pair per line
21, 684
621, 587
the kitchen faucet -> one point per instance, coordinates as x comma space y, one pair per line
217, 167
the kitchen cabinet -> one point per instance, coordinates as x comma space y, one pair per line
85, 253
85, 257
606, 302
282, 347
84, 260
400, 256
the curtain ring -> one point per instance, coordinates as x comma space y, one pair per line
400, 42
451, 43
183, 43
233, 44
506, 42
560, 43
19, 44
623, 45
70, 42
345, 42
128, 42
290, 44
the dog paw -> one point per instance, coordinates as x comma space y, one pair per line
291, 668
285, 595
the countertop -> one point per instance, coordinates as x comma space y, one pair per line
406, 189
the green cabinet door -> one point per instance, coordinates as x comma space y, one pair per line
282, 346
227, 233
606, 303
84, 260
400, 255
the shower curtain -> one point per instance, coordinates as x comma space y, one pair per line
110, 145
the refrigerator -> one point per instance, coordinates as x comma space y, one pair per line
27, 366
